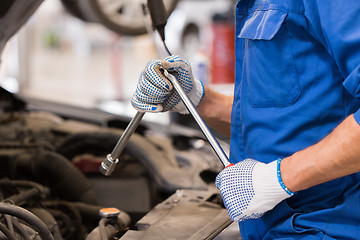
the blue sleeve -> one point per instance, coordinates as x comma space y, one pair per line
336, 24
357, 116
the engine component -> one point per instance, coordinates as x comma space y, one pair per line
28, 217
68, 182
113, 222
50, 150
38, 210
187, 214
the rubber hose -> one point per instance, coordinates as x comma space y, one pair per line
96, 235
67, 229
21, 198
90, 212
36, 190
7, 232
102, 229
75, 213
20, 229
25, 183
63, 177
28, 217
9, 223
87, 210
49, 220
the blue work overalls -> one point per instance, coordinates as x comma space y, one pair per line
297, 78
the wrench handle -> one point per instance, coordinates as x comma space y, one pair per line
130, 129
192, 109
108, 165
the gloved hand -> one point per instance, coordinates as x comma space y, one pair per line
155, 92
251, 188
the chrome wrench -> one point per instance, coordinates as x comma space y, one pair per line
193, 111
108, 165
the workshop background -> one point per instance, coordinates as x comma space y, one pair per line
69, 74
59, 57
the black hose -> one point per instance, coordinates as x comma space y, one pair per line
21, 198
63, 177
88, 210
9, 223
92, 211
67, 207
7, 232
95, 234
102, 229
20, 229
24, 183
108, 227
49, 220
28, 217
66, 227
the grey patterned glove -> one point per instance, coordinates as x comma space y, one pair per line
155, 92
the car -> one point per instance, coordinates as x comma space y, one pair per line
51, 152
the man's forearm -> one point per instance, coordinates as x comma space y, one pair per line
335, 156
215, 108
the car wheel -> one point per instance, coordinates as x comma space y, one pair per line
121, 16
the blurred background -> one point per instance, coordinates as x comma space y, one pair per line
91, 53
73, 69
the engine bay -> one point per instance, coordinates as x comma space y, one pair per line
163, 186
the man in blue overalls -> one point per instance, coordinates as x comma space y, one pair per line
295, 111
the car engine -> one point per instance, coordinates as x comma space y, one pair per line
50, 171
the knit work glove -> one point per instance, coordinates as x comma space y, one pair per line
155, 93
251, 188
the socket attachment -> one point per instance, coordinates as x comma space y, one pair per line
108, 165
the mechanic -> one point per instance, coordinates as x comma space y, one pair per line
295, 118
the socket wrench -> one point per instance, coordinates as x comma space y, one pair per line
108, 165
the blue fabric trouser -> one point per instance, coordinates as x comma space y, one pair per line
341, 222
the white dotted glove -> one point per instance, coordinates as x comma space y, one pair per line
251, 188
155, 92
